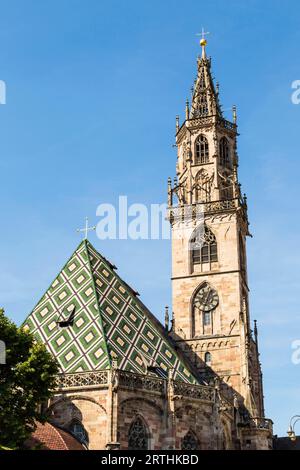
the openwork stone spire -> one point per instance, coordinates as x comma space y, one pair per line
205, 100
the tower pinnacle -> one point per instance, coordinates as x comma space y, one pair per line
205, 99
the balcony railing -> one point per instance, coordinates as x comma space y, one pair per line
200, 392
82, 379
258, 423
140, 382
202, 121
130, 380
188, 212
261, 423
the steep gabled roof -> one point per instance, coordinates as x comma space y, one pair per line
110, 322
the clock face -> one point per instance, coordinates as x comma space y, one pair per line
206, 299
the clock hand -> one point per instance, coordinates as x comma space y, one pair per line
209, 290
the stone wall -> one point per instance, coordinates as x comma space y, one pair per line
169, 411
88, 407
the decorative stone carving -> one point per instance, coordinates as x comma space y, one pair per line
203, 186
82, 379
181, 213
143, 382
190, 442
261, 423
200, 392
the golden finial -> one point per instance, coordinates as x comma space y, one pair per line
203, 41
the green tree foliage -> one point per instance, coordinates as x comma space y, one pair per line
26, 380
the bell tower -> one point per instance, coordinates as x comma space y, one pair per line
208, 216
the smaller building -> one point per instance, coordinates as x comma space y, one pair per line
49, 437
285, 443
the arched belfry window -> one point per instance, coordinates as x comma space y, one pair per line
78, 431
201, 150
190, 442
203, 246
207, 358
224, 152
242, 253
203, 186
226, 191
138, 436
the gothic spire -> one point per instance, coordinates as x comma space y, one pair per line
205, 101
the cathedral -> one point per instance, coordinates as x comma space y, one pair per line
128, 382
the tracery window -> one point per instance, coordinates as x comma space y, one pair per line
224, 153
201, 150
138, 435
190, 442
226, 191
203, 185
203, 246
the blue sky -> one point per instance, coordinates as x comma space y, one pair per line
93, 88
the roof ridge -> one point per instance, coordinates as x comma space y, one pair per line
86, 243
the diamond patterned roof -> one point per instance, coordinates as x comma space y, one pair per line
110, 322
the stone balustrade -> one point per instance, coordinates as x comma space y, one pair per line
130, 380
192, 211
82, 379
199, 392
141, 382
261, 423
